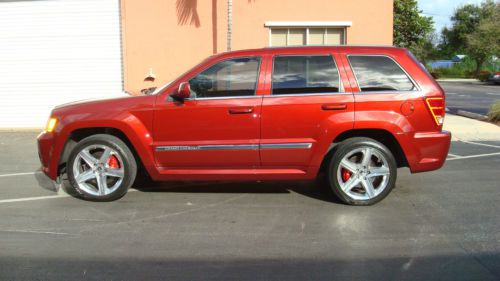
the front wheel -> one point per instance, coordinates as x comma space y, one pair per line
362, 171
101, 168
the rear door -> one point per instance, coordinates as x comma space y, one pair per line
305, 106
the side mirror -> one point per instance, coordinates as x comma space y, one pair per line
183, 92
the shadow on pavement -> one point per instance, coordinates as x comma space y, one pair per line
446, 267
314, 189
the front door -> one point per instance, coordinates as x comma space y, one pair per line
219, 126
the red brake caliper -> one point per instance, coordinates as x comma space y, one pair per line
345, 174
113, 162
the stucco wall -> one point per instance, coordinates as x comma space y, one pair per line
170, 36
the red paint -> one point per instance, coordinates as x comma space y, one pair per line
152, 121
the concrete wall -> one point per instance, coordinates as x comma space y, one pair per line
170, 36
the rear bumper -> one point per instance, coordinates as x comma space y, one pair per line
427, 151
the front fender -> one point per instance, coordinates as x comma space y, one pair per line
137, 128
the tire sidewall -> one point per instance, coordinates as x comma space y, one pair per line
346, 147
126, 155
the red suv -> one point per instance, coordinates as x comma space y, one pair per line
355, 113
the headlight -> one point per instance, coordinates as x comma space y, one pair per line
496, 76
51, 124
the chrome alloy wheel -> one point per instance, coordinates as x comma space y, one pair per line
98, 170
363, 173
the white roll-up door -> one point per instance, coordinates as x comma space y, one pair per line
54, 52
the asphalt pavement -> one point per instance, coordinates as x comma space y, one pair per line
441, 225
473, 97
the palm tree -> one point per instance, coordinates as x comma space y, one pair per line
187, 14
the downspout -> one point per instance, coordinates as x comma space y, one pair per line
229, 23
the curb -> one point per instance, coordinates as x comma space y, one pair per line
472, 115
465, 113
459, 80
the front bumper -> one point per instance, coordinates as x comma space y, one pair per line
430, 151
47, 183
45, 151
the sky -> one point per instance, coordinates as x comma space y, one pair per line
441, 10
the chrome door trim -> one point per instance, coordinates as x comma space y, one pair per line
302, 145
208, 147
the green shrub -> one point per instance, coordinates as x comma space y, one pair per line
436, 74
494, 113
455, 71
470, 74
483, 75
465, 69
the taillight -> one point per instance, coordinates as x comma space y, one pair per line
436, 107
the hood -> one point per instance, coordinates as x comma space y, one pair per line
93, 100
103, 106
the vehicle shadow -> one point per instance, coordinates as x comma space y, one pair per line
317, 189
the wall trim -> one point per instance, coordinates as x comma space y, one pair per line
308, 23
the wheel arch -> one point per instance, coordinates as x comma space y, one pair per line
78, 134
380, 135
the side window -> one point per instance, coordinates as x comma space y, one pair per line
379, 73
304, 75
235, 77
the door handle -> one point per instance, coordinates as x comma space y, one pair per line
334, 106
240, 110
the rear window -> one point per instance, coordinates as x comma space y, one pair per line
379, 73
304, 75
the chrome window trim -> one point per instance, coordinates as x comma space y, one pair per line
389, 92
415, 84
308, 95
225, 98
301, 145
341, 85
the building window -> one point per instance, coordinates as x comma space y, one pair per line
301, 36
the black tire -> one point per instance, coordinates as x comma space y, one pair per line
349, 146
119, 147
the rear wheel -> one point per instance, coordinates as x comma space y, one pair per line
101, 168
362, 171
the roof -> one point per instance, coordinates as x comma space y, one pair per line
367, 49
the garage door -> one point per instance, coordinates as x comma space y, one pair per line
54, 52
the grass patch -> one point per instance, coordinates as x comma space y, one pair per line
494, 113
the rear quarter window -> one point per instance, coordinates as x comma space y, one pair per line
379, 73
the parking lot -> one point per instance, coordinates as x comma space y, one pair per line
439, 225
472, 97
